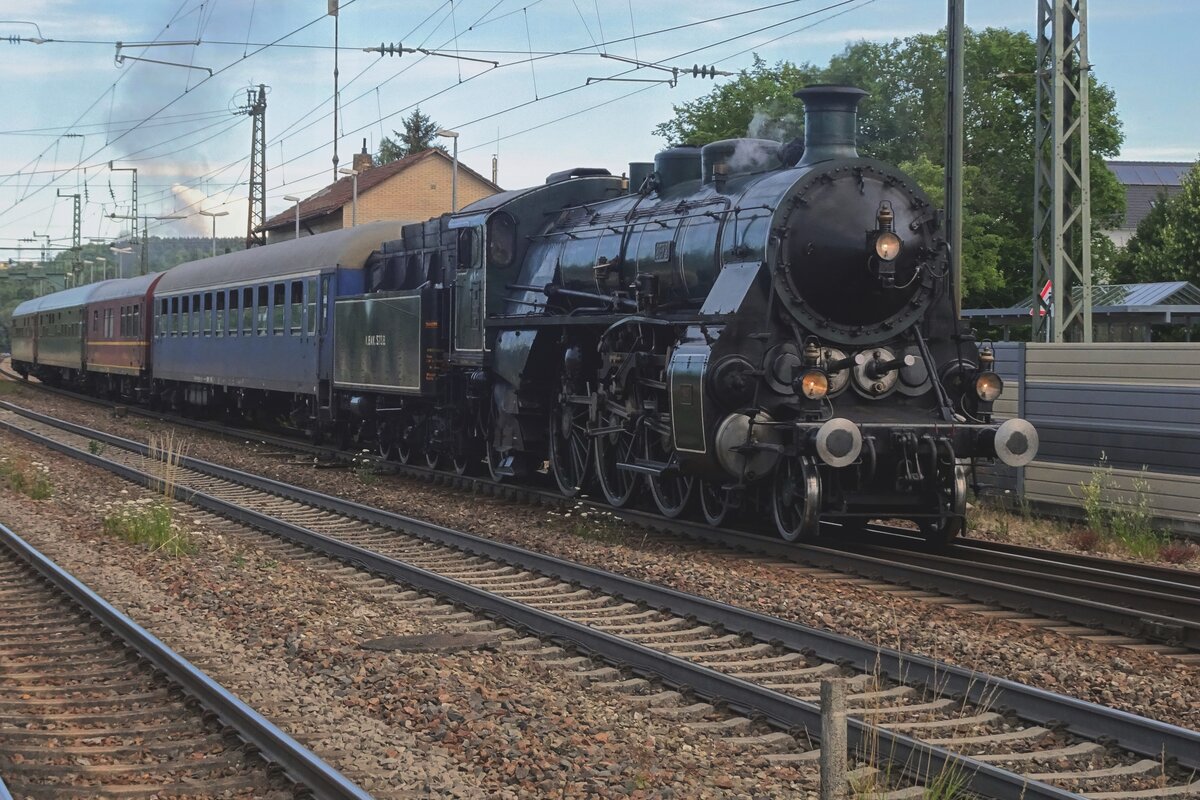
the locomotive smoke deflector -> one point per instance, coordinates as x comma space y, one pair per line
830, 122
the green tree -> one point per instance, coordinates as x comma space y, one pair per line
1166, 244
418, 135
902, 121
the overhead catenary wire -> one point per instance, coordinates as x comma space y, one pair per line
529, 56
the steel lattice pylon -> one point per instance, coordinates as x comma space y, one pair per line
257, 215
1062, 207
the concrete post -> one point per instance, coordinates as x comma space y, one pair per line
833, 739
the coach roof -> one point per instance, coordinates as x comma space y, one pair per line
68, 298
127, 288
347, 249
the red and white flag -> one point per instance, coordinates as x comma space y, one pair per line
1045, 294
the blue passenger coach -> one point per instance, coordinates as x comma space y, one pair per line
251, 332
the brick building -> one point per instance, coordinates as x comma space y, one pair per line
410, 189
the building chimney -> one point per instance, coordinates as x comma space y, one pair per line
363, 160
830, 122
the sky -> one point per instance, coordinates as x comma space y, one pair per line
71, 108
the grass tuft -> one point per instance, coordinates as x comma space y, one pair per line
148, 522
30, 478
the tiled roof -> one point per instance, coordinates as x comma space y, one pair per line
1149, 173
1145, 183
341, 192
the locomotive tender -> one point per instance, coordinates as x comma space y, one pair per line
770, 334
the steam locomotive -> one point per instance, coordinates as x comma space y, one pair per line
741, 326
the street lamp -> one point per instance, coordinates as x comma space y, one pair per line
103, 267
89, 264
454, 174
214, 215
353, 173
121, 251
291, 198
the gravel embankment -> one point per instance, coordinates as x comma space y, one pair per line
287, 638
1139, 682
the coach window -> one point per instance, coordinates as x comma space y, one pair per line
136, 320
323, 303
264, 307
206, 314
312, 306
196, 317
96, 321
296, 323
219, 321
234, 312
278, 307
173, 322
247, 312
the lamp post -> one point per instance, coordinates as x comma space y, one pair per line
454, 174
103, 267
291, 198
87, 262
121, 251
353, 173
214, 215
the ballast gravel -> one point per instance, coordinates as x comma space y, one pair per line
287, 638
1136, 681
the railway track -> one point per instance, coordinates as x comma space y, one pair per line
1133, 605
91, 705
728, 672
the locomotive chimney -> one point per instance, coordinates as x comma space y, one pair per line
830, 122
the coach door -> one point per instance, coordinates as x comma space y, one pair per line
468, 290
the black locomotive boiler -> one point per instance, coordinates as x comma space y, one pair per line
770, 335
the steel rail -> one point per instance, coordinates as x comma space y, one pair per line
914, 757
1172, 600
304, 767
953, 577
1150, 574
1140, 735
1146, 617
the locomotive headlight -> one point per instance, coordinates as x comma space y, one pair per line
988, 386
814, 384
887, 246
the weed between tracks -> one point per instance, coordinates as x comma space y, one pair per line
31, 478
592, 524
150, 521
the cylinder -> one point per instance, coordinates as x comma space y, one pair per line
830, 122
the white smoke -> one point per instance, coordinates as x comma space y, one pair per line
781, 129
754, 155
192, 201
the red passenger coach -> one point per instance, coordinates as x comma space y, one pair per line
119, 316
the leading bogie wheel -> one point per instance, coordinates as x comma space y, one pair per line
796, 499
951, 489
